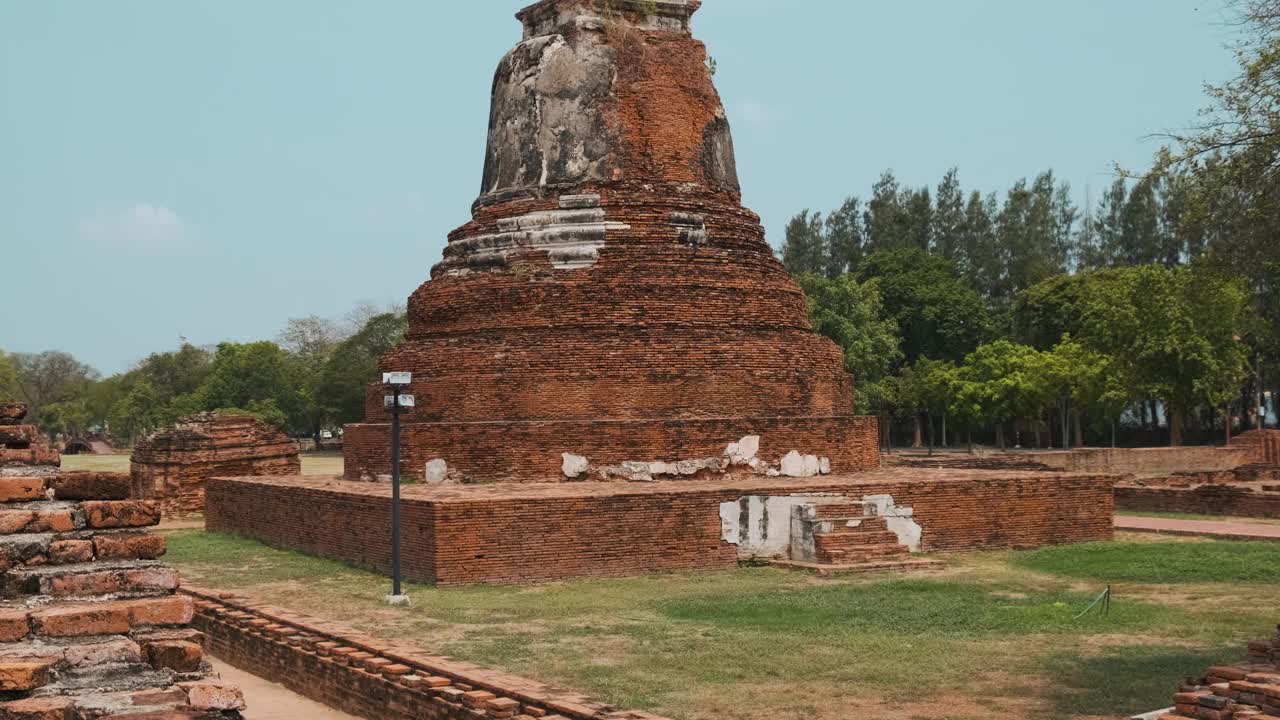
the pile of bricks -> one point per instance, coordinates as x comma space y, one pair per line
342, 668
23, 445
1249, 689
90, 625
528, 532
610, 297
172, 465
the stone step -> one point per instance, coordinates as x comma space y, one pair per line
851, 536
827, 569
859, 556
61, 619
117, 578
827, 511
82, 546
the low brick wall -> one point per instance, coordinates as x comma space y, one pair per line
525, 533
1148, 461
344, 669
1235, 500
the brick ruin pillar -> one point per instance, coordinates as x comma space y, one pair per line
23, 445
172, 465
612, 311
90, 622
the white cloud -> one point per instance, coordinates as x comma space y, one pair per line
142, 226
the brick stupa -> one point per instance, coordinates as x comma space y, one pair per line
612, 309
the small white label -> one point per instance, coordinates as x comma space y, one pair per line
397, 378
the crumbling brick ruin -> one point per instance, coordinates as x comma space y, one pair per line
611, 301
23, 445
90, 625
172, 466
1250, 689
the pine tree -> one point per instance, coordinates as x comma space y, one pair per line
948, 220
844, 238
885, 219
804, 250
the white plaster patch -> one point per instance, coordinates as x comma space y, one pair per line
800, 466
574, 465
899, 520
743, 451
437, 472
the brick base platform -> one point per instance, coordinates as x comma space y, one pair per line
533, 451
344, 669
515, 533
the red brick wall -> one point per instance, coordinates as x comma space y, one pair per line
532, 452
1206, 499
524, 533
1264, 445
339, 667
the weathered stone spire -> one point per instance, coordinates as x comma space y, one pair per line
610, 298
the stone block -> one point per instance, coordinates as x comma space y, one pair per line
121, 513
129, 546
181, 656
21, 489
23, 676
91, 486
213, 695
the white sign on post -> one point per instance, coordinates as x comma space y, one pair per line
397, 378
406, 401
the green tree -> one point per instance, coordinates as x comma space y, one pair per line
250, 374
997, 383
1175, 331
850, 313
8, 376
804, 250
949, 220
50, 377
354, 364
937, 313
845, 239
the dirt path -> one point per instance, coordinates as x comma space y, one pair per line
269, 701
1222, 530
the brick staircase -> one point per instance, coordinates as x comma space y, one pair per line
848, 537
1249, 689
90, 625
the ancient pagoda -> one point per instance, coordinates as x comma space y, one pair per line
612, 311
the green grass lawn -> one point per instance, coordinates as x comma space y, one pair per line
988, 635
312, 463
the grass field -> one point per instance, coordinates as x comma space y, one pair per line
988, 635
312, 463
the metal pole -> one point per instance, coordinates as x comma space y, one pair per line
1261, 408
395, 492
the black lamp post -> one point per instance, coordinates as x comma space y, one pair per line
395, 404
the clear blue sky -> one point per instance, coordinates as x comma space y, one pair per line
210, 169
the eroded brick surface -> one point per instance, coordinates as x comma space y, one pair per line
90, 625
171, 466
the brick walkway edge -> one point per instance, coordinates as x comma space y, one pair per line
1199, 528
344, 669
